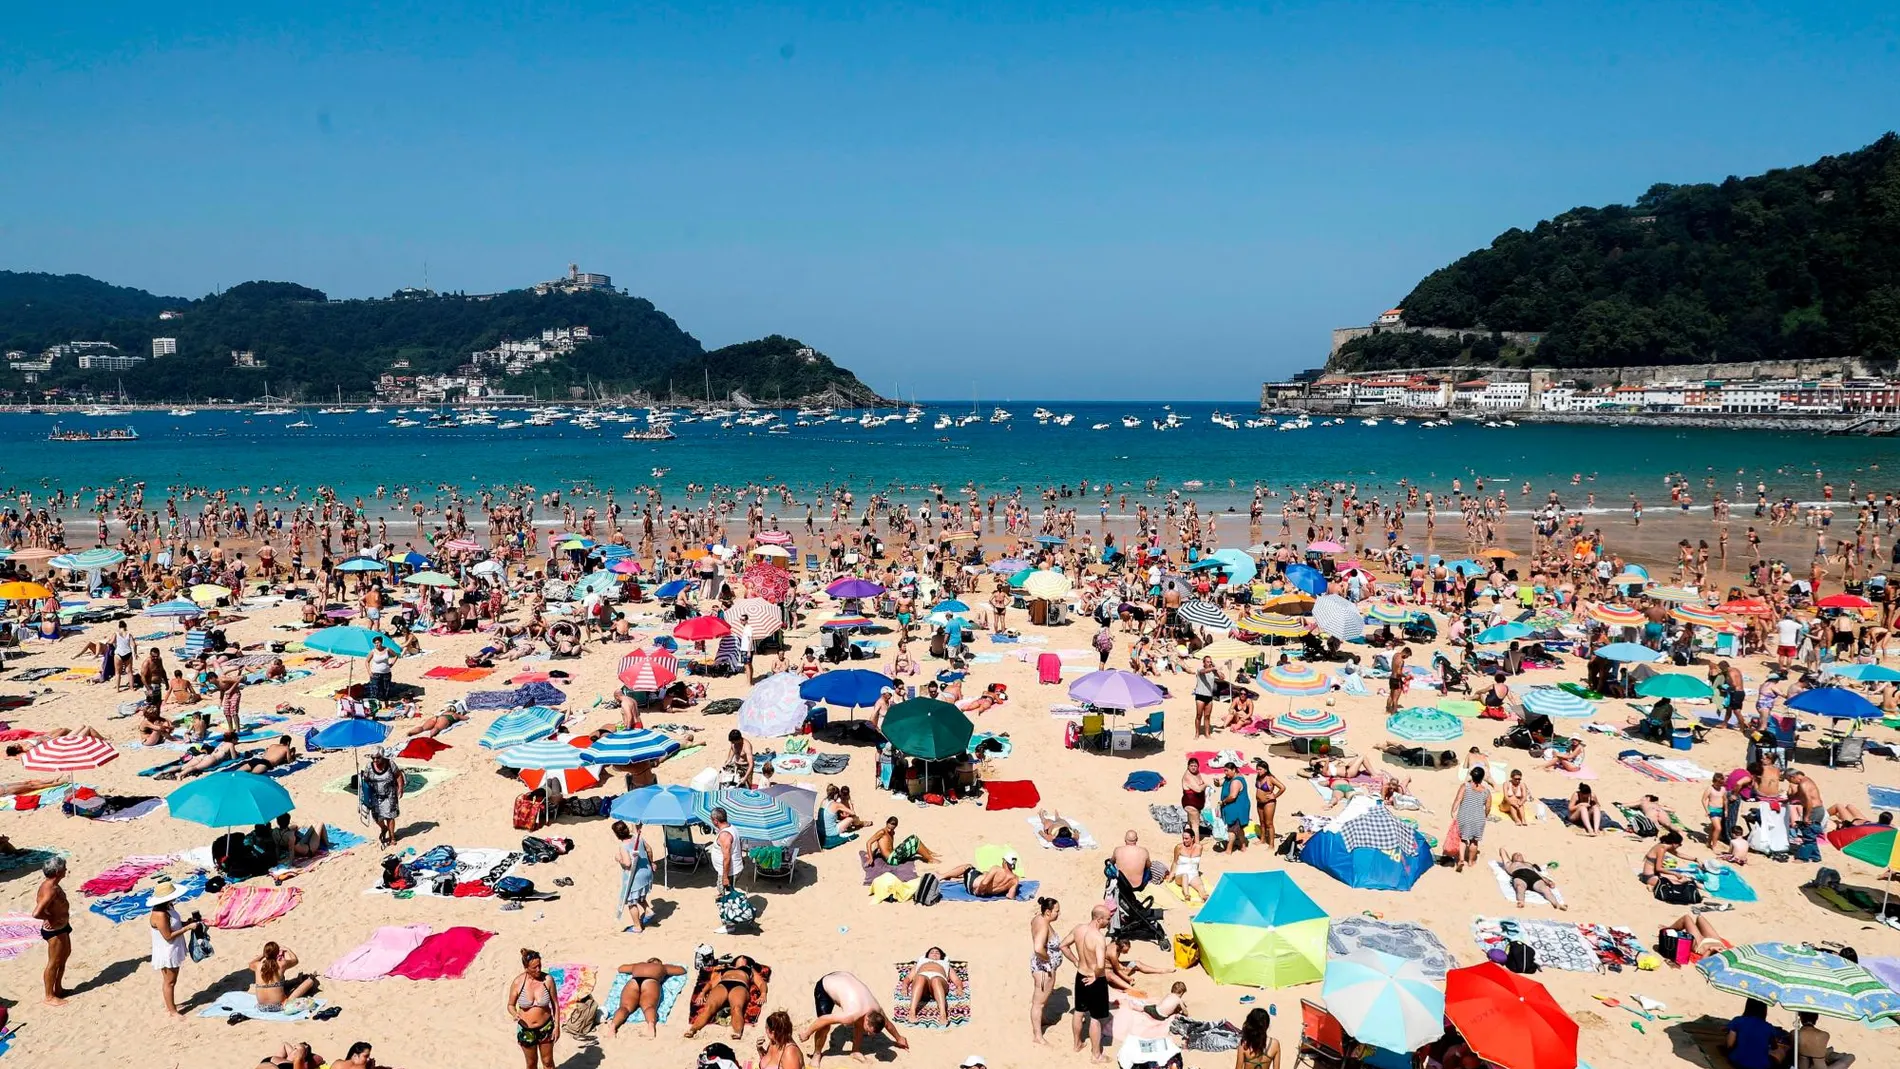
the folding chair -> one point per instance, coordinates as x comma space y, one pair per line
1136, 919
1322, 1037
785, 869
1849, 750
1154, 729
682, 851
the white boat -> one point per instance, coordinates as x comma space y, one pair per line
508, 425
943, 423
181, 412
1042, 414
300, 425
1131, 421
1065, 419
778, 428
1100, 426
374, 410
1000, 415
1222, 419
658, 432
1510, 423
1370, 421
1398, 421
1258, 423
404, 423
277, 411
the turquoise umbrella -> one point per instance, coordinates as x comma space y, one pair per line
1385, 1000
595, 583
349, 641
1673, 685
362, 564
1865, 673
1423, 724
753, 814
229, 800
1553, 701
1507, 632
1628, 651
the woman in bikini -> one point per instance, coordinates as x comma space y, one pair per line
292, 1056
1194, 795
642, 993
932, 979
1045, 955
1267, 790
731, 989
531, 1002
779, 1049
1257, 1049
275, 986
1185, 873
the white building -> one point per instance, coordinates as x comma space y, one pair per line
1665, 395
577, 281
1750, 397
109, 362
164, 347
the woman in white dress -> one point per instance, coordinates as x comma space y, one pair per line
169, 933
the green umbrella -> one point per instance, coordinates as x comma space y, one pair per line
1673, 685
431, 579
928, 728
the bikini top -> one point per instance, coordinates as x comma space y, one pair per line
533, 993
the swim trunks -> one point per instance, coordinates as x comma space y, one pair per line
1091, 998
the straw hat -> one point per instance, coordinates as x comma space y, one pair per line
164, 890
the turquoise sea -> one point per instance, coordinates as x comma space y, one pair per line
356, 452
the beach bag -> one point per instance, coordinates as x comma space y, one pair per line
1674, 947
198, 944
582, 1016
736, 908
1640, 824
1687, 893
538, 851
929, 890
530, 813
394, 877
514, 887
1520, 957
1187, 951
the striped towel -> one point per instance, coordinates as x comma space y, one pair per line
248, 907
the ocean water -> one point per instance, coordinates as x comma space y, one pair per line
354, 453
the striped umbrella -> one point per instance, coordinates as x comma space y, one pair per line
86, 560
1616, 615
630, 747
1745, 607
1308, 724
1293, 680
753, 815
521, 726
1385, 612
1679, 595
1338, 617
648, 670
1690, 614
462, 545
1801, 978
1203, 613
1227, 649
544, 754
774, 707
69, 753
756, 618
1272, 625
774, 538
1422, 724
1554, 701
1387, 1001
175, 607
1047, 584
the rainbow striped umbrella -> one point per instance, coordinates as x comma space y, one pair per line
1616, 615
1272, 625
1385, 612
1690, 614
69, 753
1294, 680
1801, 978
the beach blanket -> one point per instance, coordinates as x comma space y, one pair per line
1531, 898
1010, 794
422, 749
126, 874
458, 674
444, 955
1883, 797
293, 767
384, 950
143, 808
414, 781
122, 908
1559, 944
670, 991
28, 859
297, 1009
248, 907
1083, 840
1560, 808
953, 892
1129, 1019
1144, 781
904, 1013
905, 872
571, 979
48, 798
1413, 942
19, 932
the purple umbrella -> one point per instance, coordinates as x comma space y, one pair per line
853, 587
1113, 689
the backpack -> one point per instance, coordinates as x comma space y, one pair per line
1520, 957
538, 851
581, 1018
530, 812
1640, 824
513, 887
929, 890
394, 877
1687, 893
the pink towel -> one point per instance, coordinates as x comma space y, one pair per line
444, 955
125, 875
248, 907
1049, 668
385, 950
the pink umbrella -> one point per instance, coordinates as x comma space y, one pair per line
1324, 546
462, 545
624, 566
775, 538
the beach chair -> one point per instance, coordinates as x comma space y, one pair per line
1154, 729
1847, 750
1322, 1038
1136, 919
811, 562
785, 869
681, 851
196, 644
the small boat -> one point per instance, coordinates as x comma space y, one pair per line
182, 412
659, 432
1100, 426
107, 434
508, 425
300, 425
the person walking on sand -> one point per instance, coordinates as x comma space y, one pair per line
1470, 808
1207, 684
1087, 949
636, 876
379, 793
1395, 682
53, 911
169, 934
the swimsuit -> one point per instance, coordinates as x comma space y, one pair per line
50, 934
1051, 955
1091, 997
821, 1000
535, 992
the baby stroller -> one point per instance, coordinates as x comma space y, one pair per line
1420, 628
1451, 677
1533, 734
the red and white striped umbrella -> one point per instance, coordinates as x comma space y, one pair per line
69, 753
462, 545
774, 538
756, 617
648, 670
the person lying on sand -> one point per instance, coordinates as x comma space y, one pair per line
225, 750
276, 755
729, 989
1121, 968
886, 847
431, 726
1528, 877
998, 881
932, 979
1698, 927
292, 1056
642, 993
1056, 831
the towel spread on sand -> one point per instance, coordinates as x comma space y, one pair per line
28, 859
297, 1009
902, 1012
126, 874
1531, 898
1559, 944
1083, 840
1010, 794
248, 907
384, 950
122, 908
670, 991
953, 892
19, 932
906, 872
571, 979
444, 955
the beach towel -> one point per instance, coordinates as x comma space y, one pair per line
888, 888
384, 950
1010, 794
293, 767
1144, 781
28, 859
990, 855
1083, 840
1582, 772
953, 892
1129, 1020
670, 991
414, 781
444, 955
1531, 898
571, 979
1559, 944
1883, 797
422, 749
19, 932
248, 907
126, 874
907, 871
145, 807
1048, 668
122, 908
1560, 808
902, 1012
297, 1009
49, 798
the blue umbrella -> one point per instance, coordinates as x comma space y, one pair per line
1865, 673
519, 726
1240, 567
413, 559
229, 800
1508, 632
1466, 568
176, 607
853, 687
1385, 1000
1050, 540
349, 734
545, 755
1837, 702
664, 804
610, 552
630, 747
349, 641
753, 814
1205, 564
949, 605
671, 588
1307, 578
362, 564
1628, 652
1554, 701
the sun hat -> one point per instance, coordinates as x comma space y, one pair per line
164, 890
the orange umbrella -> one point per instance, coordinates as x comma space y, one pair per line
695, 553
1744, 607
18, 591
1508, 1019
1498, 552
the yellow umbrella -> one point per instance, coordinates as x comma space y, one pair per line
205, 593
1294, 602
1272, 624
1047, 584
18, 591
1498, 552
1227, 649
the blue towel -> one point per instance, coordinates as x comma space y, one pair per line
121, 908
344, 840
298, 765
1726, 884
1143, 781
1884, 797
670, 992
246, 1003
953, 892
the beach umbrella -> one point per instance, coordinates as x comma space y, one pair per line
1306, 577
436, 579
349, 641
771, 551
1628, 652
462, 545
664, 804
23, 591
853, 587
205, 593
1308, 724
774, 706
1420, 724
1370, 848
630, 746
624, 566
1864, 673
648, 670
1261, 930
1385, 612
362, 564
1008, 565
766, 580
950, 605
1293, 602
1872, 843
569, 545
486, 567
1384, 1000
753, 815
573, 780
1272, 625
1324, 545
1690, 614
33, 553
1505, 632
1465, 569
87, 560
774, 538
855, 688
1203, 613
701, 629
1047, 585
613, 552
413, 559
520, 726
843, 622
1509, 1020
1556, 702
1843, 601
1677, 595
1338, 617
928, 728
1801, 978
594, 583
230, 800
756, 618
1497, 553
177, 607
1114, 689
1240, 567
1293, 680
1744, 607
68, 753
672, 588
1227, 649
1673, 685
1617, 615
1837, 702
350, 733
544, 754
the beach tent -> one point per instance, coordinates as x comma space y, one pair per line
1259, 929
1366, 846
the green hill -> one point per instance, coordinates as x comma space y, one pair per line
311, 345
1798, 263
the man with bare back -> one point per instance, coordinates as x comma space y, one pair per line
1087, 949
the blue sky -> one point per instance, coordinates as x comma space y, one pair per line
1020, 200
